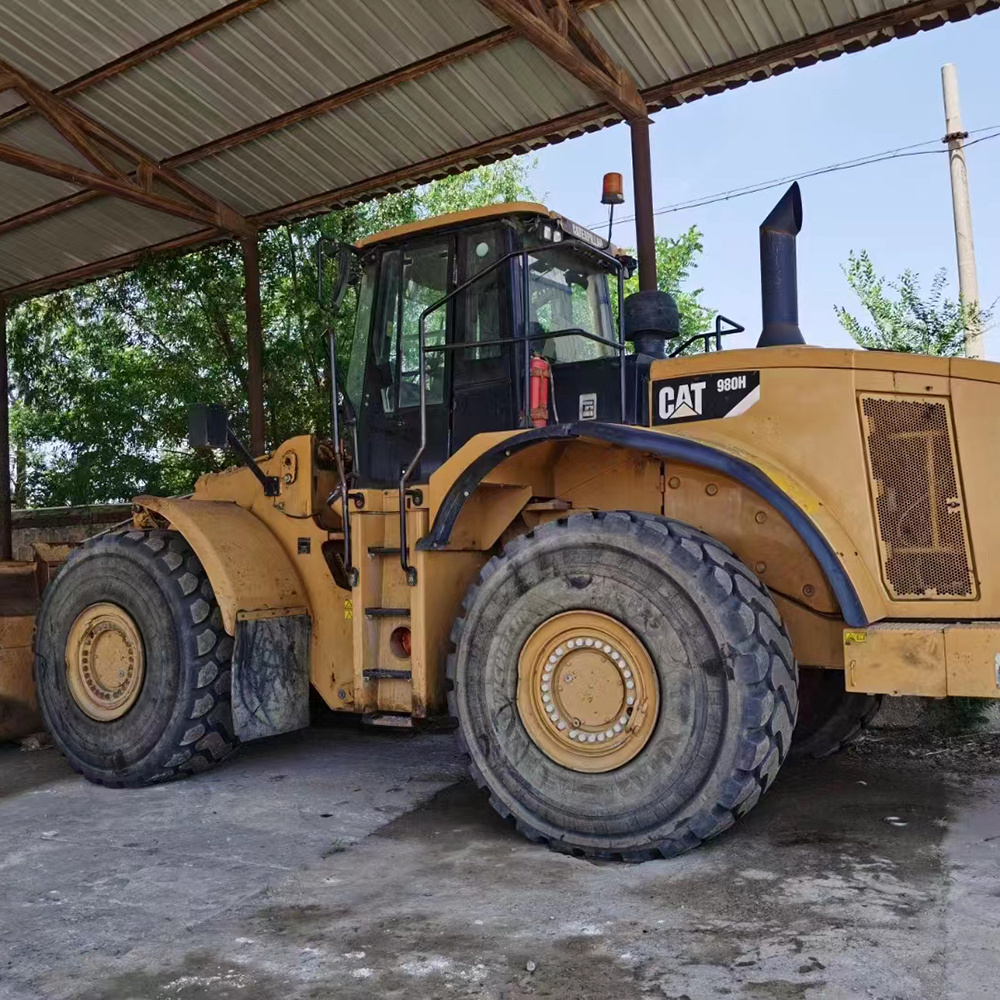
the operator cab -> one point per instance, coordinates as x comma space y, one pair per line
496, 286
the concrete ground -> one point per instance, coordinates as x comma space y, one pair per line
346, 863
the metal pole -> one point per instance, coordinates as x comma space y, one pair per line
6, 534
642, 190
255, 343
968, 283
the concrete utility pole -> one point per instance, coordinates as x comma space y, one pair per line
968, 284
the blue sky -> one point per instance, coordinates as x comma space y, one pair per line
900, 210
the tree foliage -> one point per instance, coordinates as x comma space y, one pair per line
911, 320
676, 258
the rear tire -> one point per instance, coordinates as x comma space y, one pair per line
830, 717
723, 665
180, 720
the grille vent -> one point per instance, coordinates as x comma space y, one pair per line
917, 493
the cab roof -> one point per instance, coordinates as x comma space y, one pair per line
506, 208
450, 219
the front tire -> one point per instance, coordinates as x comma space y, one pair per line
132, 664
723, 685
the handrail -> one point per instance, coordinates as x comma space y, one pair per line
410, 571
717, 334
331, 337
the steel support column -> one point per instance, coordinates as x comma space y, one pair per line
255, 343
6, 530
642, 192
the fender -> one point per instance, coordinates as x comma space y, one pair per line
249, 569
663, 446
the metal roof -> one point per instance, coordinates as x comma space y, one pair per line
284, 108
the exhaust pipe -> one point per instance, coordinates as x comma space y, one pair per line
779, 293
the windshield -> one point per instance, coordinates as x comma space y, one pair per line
569, 292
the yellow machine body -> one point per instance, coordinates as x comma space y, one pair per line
858, 485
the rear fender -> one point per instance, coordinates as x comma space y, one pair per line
813, 523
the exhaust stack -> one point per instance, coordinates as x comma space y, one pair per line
779, 293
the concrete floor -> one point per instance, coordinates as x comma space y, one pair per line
346, 863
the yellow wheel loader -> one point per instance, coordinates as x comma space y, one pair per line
624, 570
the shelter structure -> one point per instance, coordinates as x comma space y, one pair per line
135, 127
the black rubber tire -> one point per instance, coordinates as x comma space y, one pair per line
181, 722
724, 663
829, 716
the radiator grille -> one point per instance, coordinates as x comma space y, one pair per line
918, 499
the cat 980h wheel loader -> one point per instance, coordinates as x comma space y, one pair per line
605, 562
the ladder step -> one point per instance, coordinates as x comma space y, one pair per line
387, 612
380, 674
383, 550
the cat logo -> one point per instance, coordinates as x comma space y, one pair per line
705, 397
682, 401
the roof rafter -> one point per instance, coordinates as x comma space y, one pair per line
576, 49
94, 142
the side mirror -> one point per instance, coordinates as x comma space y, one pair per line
208, 426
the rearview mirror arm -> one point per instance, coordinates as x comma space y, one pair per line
271, 485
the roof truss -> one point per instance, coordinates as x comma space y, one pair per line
555, 28
101, 148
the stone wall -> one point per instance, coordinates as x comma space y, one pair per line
62, 524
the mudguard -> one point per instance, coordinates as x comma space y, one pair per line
249, 569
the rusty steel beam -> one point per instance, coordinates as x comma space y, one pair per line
578, 52
6, 530
412, 71
439, 166
59, 117
106, 185
146, 52
88, 137
255, 342
642, 194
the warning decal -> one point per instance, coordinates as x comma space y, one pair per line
704, 397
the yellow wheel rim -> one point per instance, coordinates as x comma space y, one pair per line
587, 691
105, 662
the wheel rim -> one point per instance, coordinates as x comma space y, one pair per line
587, 691
105, 663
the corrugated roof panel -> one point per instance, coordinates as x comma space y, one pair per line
491, 94
24, 190
104, 228
285, 54
55, 41
277, 58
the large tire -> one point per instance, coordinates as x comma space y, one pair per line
830, 717
726, 675
181, 719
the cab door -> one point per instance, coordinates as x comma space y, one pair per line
411, 278
484, 389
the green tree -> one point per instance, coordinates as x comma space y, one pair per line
910, 320
676, 258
